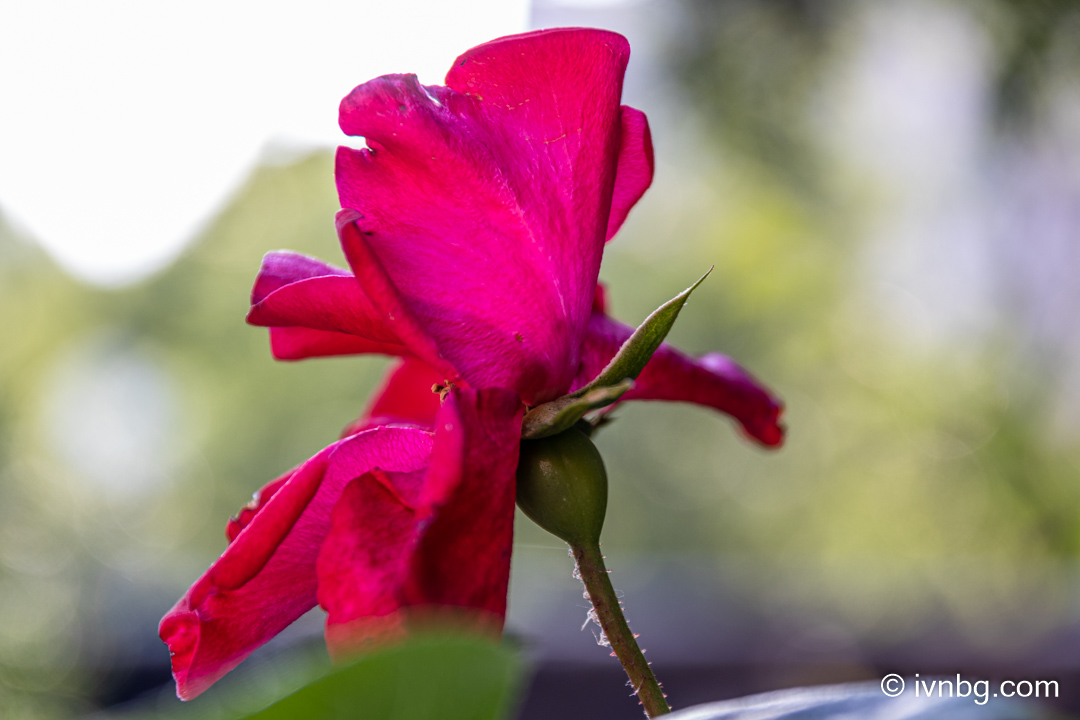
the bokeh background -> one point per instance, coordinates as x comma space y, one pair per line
890, 193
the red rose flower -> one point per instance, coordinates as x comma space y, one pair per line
474, 225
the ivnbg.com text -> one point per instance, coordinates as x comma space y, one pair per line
980, 691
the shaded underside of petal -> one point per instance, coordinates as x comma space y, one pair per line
600, 302
266, 578
463, 557
713, 380
363, 565
407, 396
486, 202
298, 343
635, 170
447, 544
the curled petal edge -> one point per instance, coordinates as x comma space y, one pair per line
266, 577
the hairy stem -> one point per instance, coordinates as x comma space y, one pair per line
598, 589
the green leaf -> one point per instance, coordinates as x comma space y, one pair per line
559, 415
446, 676
638, 349
451, 678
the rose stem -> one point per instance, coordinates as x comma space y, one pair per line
609, 614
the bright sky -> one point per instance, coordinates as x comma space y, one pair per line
124, 125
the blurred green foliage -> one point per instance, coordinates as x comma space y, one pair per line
430, 676
896, 449
919, 478
752, 68
462, 680
68, 544
756, 69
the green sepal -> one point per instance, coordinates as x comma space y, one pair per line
554, 417
562, 486
638, 349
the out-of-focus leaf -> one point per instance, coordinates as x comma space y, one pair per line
448, 678
443, 676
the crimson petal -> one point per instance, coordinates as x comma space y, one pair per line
486, 203
294, 292
266, 577
298, 343
363, 564
258, 501
284, 267
447, 545
636, 166
334, 303
463, 558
